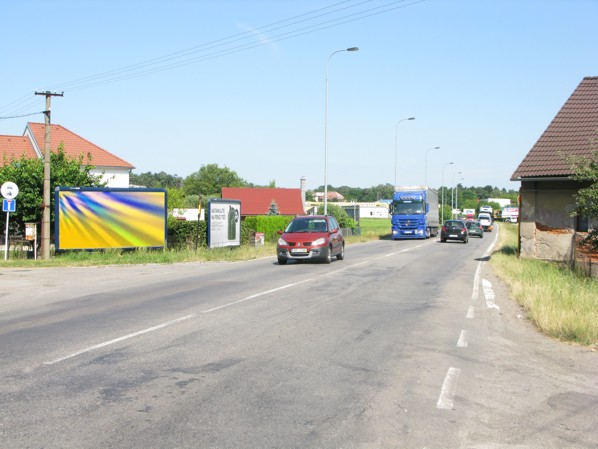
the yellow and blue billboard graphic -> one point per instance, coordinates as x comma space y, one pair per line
101, 218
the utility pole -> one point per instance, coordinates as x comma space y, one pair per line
47, 150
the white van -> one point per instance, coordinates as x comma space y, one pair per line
485, 220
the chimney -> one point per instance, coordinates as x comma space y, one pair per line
303, 191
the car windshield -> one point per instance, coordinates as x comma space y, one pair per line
307, 225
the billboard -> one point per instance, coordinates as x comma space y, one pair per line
100, 218
224, 223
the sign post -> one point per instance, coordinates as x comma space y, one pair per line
31, 235
9, 191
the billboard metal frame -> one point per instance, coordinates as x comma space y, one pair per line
224, 222
95, 218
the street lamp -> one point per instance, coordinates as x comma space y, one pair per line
396, 132
426, 175
443, 189
457, 194
453, 192
326, 130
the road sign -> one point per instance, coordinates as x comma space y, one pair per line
9, 190
9, 205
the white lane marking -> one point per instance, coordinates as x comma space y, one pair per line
471, 312
409, 249
489, 294
463, 339
256, 295
476, 283
476, 278
178, 320
449, 389
125, 337
170, 323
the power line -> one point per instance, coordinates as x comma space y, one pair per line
287, 28
22, 115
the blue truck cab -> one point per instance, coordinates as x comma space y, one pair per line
414, 213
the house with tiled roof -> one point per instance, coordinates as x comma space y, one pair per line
332, 196
547, 194
112, 169
266, 201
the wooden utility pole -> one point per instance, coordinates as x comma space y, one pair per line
47, 151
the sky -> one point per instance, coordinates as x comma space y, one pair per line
174, 85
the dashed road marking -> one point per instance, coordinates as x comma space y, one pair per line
449, 389
489, 294
470, 312
463, 339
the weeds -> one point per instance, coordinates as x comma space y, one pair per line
561, 303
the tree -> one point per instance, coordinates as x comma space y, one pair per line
273, 210
28, 175
340, 214
585, 170
160, 180
210, 179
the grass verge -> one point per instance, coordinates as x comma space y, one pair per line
560, 303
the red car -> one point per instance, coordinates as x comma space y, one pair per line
311, 237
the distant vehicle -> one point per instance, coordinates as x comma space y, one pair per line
485, 220
475, 228
510, 214
487, 209
469, 214
414, 213
311, 237
454, 230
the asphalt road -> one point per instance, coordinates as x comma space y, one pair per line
404, 344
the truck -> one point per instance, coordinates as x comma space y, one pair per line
510, 214
414, 213
469, 214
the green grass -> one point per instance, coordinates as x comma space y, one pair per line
371, 229
561, 303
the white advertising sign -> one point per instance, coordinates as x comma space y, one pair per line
224, 223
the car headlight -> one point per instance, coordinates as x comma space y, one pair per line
318, 242
282, 242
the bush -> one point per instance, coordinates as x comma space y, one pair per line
268, 224
341, 216
184, 234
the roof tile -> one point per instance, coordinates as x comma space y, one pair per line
570, 133
257, 201
13, 147
75, 146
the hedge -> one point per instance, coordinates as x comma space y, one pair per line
268, 224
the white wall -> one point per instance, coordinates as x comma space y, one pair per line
116, 177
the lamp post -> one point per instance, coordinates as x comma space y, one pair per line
457, 194
326, 130
396, 132
453, 192
426, 173
443, 189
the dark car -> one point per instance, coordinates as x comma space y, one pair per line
454, 230
475, 228
311, 237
